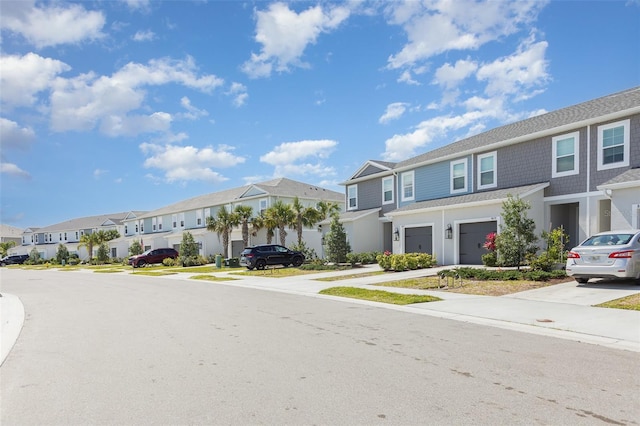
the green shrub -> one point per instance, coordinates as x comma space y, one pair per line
490, 259
399, 262
169, 262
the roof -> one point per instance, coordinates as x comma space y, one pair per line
281, 187
7, 231
628, 179
550, 122
484, 197
89, 222
350, 216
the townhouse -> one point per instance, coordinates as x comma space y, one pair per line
46, 239
164, 227
579, 167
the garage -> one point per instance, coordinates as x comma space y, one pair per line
472, 239
418, 240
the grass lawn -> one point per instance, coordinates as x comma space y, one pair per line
630, 302
206, 277
349, 276
378, 295
485, 288
277, 272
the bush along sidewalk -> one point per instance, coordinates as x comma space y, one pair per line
405, 261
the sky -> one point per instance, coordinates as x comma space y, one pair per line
123, 105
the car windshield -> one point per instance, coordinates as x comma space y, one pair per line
608, 240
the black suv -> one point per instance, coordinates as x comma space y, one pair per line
152, 256
270, 254
14, 259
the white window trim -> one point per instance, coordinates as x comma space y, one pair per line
466, 176
627, 144
576, 155
355, 188
405, 176
495, 174
389, 178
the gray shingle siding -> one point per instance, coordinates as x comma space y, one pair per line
370, 194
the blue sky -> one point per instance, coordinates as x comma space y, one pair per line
132, 105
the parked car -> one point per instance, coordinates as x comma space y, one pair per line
153, 256
270, 254
612, 254
14, 259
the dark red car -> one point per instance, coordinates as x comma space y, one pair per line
152, 256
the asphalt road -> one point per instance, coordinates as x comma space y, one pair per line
129, 350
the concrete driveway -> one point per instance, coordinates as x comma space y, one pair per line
591, 294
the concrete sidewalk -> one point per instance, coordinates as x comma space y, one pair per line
563, 310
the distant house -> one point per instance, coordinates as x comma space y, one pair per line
47, 239
10, 234
164, 227
579, 167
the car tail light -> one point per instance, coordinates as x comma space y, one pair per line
573, 255
627, 254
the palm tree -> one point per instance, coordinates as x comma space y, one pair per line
5, 246
263, 221
244, 214
88, 241
223, 224
327, 209
283, 216
304, 217
96, 239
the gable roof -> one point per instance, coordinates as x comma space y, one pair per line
281, 187
371, 167
8, 231
89, 222
600, 109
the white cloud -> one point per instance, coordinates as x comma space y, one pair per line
188, 163
192, 113
288, 158
23, 77
14, 136
449, 76
13, 170
400, 147
518, 73
138, 4
97, 173
147, 35
393, 112
86, 101
239, 93
285, 34
51, 25
436, 27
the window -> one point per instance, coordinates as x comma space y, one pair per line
174, 219
565, 155
160, 223
199, 217
487, 171
407, 186
387, 190
352, 197
154, 223
65, 236
613, 145
263, 205
459, 176
182, 220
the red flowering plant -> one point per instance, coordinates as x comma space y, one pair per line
491, 258
490, 243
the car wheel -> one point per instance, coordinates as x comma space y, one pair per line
141, 263
582, 280
297, 261
260, 264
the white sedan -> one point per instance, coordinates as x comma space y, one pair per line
611, 254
